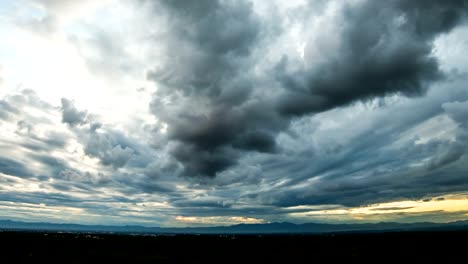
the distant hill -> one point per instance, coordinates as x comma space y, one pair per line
270, 228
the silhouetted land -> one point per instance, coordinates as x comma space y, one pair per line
47, 247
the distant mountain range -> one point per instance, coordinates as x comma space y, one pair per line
270, 228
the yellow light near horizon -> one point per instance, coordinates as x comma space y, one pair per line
383, 211
189, 219
447, 205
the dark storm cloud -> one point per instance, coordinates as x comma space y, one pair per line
213, 38
214, 41
383, 48
218, 108
358, 189
379, 162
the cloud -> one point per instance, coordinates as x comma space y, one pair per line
458, 111
358, 154
447, 154
70, 115
374, 51
111, 147
218, 106
208, 75
391, 208
35, 145
51, 15
29, 130
7, 110
14, 168
108, 148
259, 110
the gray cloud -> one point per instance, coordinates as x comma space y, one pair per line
209, 74
458, 111
452, 152
447, 154
71, 115
14, 168
379, 51
108, 148
7, 110
376, 160
28, 97
38, 145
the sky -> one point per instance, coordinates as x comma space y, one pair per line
218, 112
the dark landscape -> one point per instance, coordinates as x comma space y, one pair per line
69, 243
59, 247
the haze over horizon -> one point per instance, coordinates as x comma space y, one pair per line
219, 112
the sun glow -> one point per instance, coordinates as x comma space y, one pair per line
457, 204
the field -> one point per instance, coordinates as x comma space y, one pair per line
18, 247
